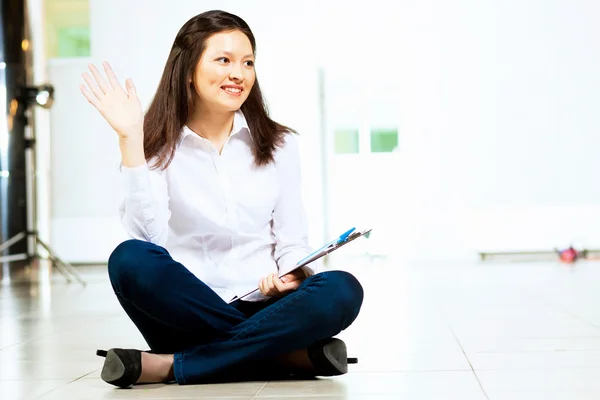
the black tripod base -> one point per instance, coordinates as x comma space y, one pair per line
63, 267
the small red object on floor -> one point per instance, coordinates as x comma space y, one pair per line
569, 255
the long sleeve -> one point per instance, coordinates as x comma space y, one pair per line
145, 210
290, 225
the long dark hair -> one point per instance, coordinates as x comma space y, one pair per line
173, 102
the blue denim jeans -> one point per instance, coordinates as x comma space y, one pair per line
211, 340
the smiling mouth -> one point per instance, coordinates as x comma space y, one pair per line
233, 91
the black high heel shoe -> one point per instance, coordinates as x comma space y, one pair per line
329, 357
122, 367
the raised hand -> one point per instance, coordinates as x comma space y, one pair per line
121, 108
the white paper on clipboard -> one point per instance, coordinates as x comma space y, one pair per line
323, 251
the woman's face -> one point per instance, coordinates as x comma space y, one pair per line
225, 72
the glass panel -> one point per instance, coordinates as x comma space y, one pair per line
67, 28
346, 141
74, 42
384, 140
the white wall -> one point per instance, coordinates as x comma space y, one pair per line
86, 191
496, 107
503, 98
495, 102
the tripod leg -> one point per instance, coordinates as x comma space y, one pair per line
61, 263
12, 241
60, 268
72, 271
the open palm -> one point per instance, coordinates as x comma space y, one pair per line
121, 108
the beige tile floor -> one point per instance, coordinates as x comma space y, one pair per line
431, 331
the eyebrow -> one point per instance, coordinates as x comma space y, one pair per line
227, 53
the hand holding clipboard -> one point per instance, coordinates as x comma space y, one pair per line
330, 247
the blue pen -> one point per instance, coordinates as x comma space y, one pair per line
326, 247
345, 235
338, 240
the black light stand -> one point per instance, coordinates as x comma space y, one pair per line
18, 221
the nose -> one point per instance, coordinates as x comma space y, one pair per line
236, 72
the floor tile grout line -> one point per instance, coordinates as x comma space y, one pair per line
470, 365
569, 313
259, 390
449, 325
38, 379
293, 396
84, 375
56, 388
548, 303
45, 335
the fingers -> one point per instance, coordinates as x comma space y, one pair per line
90, 82
131, 91
279, 285
267, 286
261, 286
89, 96
99, 87
273, 286
112, 78
99, 79
288, 287
270, 283
291, 277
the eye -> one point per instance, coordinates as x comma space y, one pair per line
223, 60
249, 63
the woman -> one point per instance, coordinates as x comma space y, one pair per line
213, 207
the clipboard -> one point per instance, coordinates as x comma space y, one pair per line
330, 247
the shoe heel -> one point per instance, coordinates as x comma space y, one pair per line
122, 367
329, 357
101, 353
352, 360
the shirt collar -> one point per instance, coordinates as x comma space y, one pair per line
240, 125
